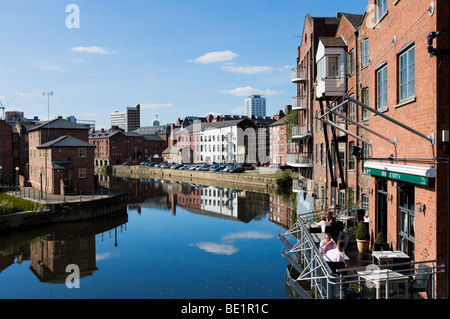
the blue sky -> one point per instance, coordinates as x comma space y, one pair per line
174, 57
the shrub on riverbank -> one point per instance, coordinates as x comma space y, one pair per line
10, 204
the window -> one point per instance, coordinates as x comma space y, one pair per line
351, 109
366, 154
351, 157
365, 100
350, 63
365, 202
82, 173
406, 218
382, 88
333, 196
341, 197
317, 154
381, 9
365, 53
81, 152
321, 69
333, 66
407, 74
322, 154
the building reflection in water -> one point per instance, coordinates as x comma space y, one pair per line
50, 250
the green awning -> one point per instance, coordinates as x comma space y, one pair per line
404, 173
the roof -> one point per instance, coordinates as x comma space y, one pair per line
333, 42
162, 129
281, 121
354, 19
65, 141
62, 165
59, 123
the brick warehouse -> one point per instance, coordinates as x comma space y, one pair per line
6, 162
409, 182
61, 156
397, 165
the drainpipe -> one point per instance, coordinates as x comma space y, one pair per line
358, 161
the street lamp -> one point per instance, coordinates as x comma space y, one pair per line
1, 167
40, 194
17, 178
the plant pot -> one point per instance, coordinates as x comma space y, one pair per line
363, 245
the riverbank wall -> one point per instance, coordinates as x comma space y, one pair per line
242, 181
64, 212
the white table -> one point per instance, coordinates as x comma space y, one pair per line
378, 277
388, 255
345, 219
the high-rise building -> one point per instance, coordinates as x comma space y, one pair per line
128, 120
255, 105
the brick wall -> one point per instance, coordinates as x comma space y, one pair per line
7, 172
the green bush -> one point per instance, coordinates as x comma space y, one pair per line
362, 232
379, 240
10, 204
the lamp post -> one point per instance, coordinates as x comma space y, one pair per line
40, 194
17, 179
1, 167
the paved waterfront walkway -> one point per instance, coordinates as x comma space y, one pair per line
34, 195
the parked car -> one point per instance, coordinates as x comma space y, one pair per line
185, 166
237, 169
247, 166
194, 167
151, 164
228, 167
176, 166
203, 167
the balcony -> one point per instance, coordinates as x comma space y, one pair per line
302, 185
299, 103
299, 75
300, 160
299, 132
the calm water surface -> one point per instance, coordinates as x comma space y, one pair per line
174, 241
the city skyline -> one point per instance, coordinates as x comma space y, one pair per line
174, 59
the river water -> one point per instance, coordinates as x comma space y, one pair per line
175, 240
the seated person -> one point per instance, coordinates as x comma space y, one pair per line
322, 224
327, 244
336, 254
329, 218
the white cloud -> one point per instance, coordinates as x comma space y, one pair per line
247, 91
215, 248
247, 69
48, 66
248, 235
156, 105
218, 56
92, 50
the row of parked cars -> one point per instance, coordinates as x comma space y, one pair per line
216, 167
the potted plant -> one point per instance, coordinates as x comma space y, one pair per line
362, 236
379, 240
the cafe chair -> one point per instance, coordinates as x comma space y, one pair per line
346, 239
420, 281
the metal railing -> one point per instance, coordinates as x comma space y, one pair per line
299, 159
307, 264
299, 102
299, 131
299, 74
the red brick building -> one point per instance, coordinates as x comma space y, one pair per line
6, 161
386, 143
61, 157
117, 147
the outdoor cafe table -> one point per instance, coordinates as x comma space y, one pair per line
379, 277
388, 256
